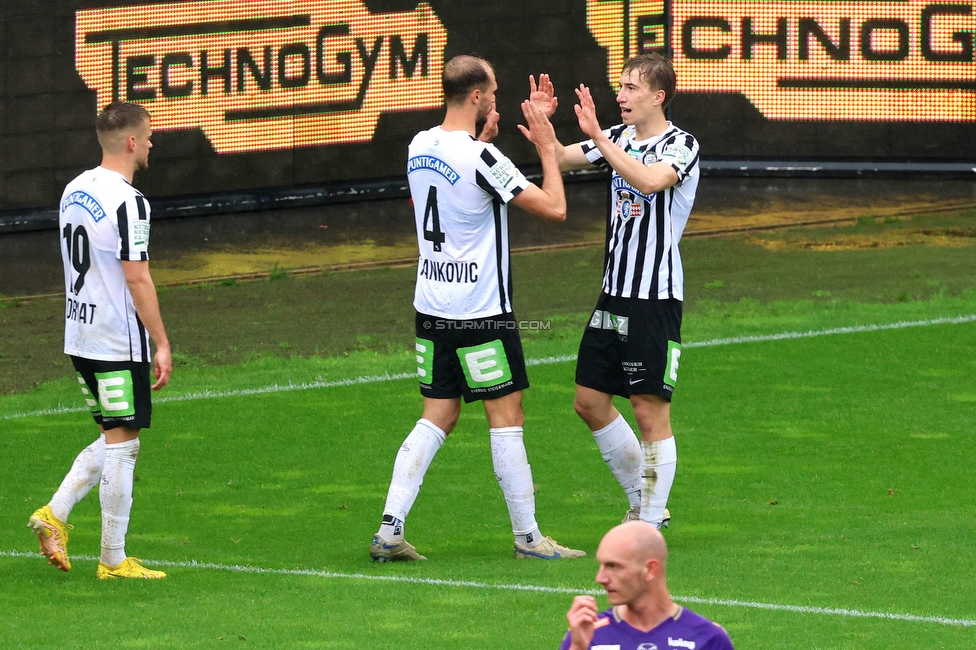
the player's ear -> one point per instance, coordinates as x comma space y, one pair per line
652, 569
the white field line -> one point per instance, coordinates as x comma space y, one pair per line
332, 575
374, 379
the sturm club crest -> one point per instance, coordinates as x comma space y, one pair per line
845, 60
264, 74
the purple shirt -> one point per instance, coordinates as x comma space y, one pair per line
686, 630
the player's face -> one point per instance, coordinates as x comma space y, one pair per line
638, 102
487, 102
620, 574
143, 145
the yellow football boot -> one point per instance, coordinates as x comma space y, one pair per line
127, 568
53, 535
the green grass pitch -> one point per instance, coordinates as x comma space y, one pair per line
825, 497
824, 472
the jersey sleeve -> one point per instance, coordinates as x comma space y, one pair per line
498, 176
593, 153
682, 155
133, 220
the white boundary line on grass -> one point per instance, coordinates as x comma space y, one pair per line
799, 609
375, 379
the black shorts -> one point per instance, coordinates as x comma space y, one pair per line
631, 347
476, 359
117, 392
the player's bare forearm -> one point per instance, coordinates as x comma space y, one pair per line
550, 203
146, 301
552, 184
571, 157
645, 179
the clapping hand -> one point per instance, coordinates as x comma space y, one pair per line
543, 94
586, 112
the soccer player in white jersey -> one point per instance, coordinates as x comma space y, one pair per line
633, 571
467, 337
111, 313
632, 344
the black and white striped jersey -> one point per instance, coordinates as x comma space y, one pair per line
642, 258
460, 188
103, 220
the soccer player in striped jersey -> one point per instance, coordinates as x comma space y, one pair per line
111, 313
632, 344
633, 571
467, 337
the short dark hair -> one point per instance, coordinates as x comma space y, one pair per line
656, 71
463, 74
120, 116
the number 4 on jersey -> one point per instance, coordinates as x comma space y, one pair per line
432, 216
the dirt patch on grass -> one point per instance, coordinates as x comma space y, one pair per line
958, 237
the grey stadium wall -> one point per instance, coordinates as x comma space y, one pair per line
252, 94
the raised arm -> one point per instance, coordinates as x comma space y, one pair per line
543, 95
549, 201
144, 297
645, 179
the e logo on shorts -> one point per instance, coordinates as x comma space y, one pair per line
671, 371
485, 365
425, 360
115, 394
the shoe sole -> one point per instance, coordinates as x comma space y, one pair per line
396, 558
528, 555
43, 535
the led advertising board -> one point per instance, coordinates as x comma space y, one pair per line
264, 75
858, 61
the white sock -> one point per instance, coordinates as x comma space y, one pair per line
80, 479
115, 495
660, 460
514, 476
412, 461
622, 453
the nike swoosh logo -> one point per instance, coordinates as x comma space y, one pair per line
635, 381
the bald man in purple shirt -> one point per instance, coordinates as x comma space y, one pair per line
633, 558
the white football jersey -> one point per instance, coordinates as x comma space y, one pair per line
642, 257
103, 220
460, 188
